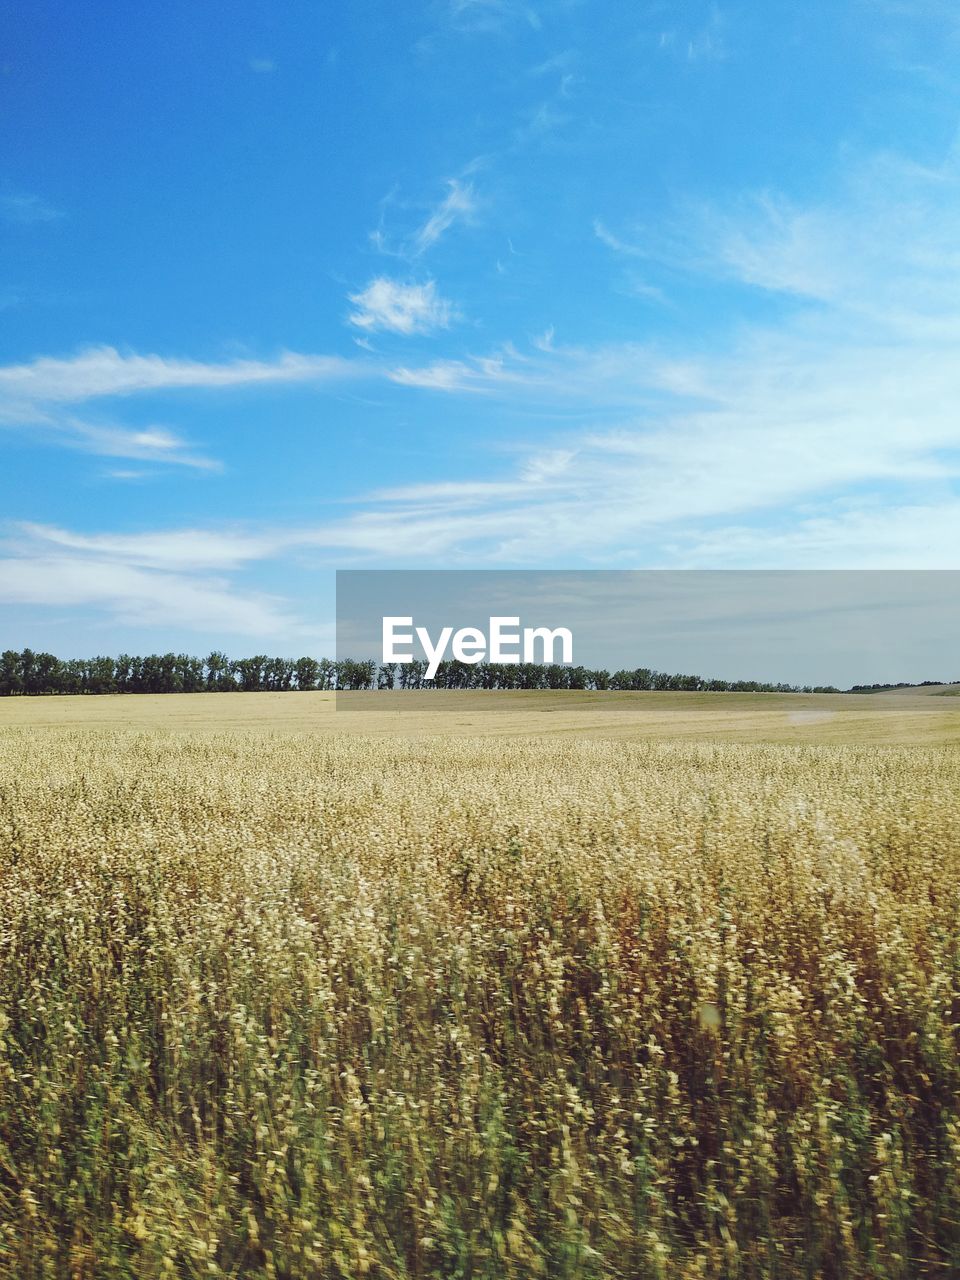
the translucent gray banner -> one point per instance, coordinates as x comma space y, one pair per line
467, 629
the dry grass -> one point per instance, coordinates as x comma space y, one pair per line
335, 1006
901, 717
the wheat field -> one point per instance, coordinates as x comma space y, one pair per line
904, 717
287, 1004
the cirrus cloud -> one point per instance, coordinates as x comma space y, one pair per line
40, 395
397, 307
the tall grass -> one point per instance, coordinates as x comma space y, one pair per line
288, 1007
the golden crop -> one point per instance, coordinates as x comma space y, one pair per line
461, 1007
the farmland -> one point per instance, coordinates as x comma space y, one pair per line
560, 986
907, 716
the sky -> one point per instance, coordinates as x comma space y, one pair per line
465, 284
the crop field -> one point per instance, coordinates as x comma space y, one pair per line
646, 987
905, 716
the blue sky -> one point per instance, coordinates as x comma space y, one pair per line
465, 283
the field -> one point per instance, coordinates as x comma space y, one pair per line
907, 716
612, 986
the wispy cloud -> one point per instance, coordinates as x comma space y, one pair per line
826, 435
459, 205
614, 242
477, 375
136, 597
633, 283
810, 430
174, 551
27, 210
149, 444
707, 44
491, 16
866, 534
104, 371
804, 424
399, 307
703, 43
557, 62
540, 121
42, 395
591, 380
180, 580
262, 66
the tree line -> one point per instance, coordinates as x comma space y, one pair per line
902, 684
30, 674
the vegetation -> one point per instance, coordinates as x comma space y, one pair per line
903, 718
456, 1007
904, 684
41, 673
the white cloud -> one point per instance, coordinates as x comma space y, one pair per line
39, 394
155, 444
886, 246
707, 44
137, 597
177, 550
558, 62
607, 237
459, 205
104, 371
538, 123
169, 580
28, 210
478, 374
444, 375
633, 284
868, 536
703, 43
777, 435
400, 308
787, 445
826, 437
491, 15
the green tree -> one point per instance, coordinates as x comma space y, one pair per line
11, 673
219, 672
307, 673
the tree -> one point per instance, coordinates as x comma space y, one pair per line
123, 669
219, 667
100, 676
11, 673
249, 672
355, 675
189, 673
277, 673
307, 672
73, 675
33, 673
